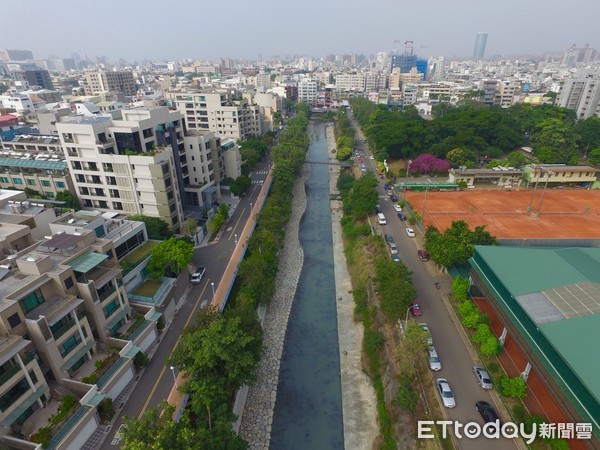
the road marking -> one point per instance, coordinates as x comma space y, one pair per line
236, 224
174, 347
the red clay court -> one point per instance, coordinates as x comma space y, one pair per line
564, 213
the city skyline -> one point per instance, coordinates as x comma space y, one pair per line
240, 31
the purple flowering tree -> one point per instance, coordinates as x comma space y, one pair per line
427, 163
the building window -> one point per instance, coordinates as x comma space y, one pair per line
14, 320
69, 283
31, 182
17, 181
46, 183
100, 231
118, 206
60, 184
110, 309
76, 165
31, 301
72, 342
3, 179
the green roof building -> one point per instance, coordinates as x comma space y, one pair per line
548, 300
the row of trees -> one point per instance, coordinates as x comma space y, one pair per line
220, 353
478, 130
456, 244
344, 136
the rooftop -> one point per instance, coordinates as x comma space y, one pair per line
33, 163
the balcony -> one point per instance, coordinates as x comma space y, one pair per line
6, 376
137, 256
152, 291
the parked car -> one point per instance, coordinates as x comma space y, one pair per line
487, 412
393, 198
410, 232
427, 332
397, 208
198, 274
395, 258
434, 360
445, 393
401, 216
386, 186
371, 157
389, 192
423, 254
415, 309
389, 238
393, 249
483, 377
377, 209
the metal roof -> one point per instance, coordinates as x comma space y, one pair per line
86, 262
62, 241
33, 163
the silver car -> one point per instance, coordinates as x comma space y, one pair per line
445, 393
483, 377
434, 360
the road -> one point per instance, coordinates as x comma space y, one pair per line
156, 381
456, 361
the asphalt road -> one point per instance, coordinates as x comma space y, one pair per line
456, 361
156, 381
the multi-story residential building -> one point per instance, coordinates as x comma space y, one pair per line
350, 82
136, 165
308, 89
206, 169
35, 162
37, 77
20, 102
581, 94
232, 159
269, 104
488, 88
263, 81
16, 208
60, 299
114, 81
376, 81
226, 113
506, 93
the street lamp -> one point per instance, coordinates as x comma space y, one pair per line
174, 377
425, 203
406, 175
212, 285
406, 319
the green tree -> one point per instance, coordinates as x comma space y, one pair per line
460, 287
156, 227
363, 197
240, 185
219, 354
189, 226
69, 199
172, 256
456, 157
516, 159
595, 156
343, 153
589, 133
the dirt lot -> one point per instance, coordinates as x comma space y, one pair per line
564, 213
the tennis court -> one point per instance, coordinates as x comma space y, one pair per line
555, 213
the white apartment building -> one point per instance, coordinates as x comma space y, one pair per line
506, 93
206, 169
581, 94
350, 82
21, 103
308, 88
263, 82
109, 81
136, 165
232, 159
226, 113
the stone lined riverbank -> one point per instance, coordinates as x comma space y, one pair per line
260, 404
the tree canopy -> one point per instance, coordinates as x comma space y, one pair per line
455, 244
155, 226
170, 257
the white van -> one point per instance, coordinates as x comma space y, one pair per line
381, 219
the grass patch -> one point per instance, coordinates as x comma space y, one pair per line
140, 253
148, 288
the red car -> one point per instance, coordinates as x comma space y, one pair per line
415, 309
359, 160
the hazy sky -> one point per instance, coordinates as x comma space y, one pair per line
208, 29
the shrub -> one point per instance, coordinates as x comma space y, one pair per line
472, 319
491, 346
483, 332
460, 287
141, 359
106, 410
512, 387
406, 396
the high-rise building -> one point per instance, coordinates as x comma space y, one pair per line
480, 42
574, 55
308, 89
404, 62
137, 165
15, 55
116, 81
581, 94
224, 113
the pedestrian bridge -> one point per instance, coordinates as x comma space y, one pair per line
330, 163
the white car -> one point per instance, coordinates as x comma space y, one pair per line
397, 208
427, 332
445, 393
410, 232
434, 360
371, 157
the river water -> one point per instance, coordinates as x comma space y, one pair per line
308, 410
